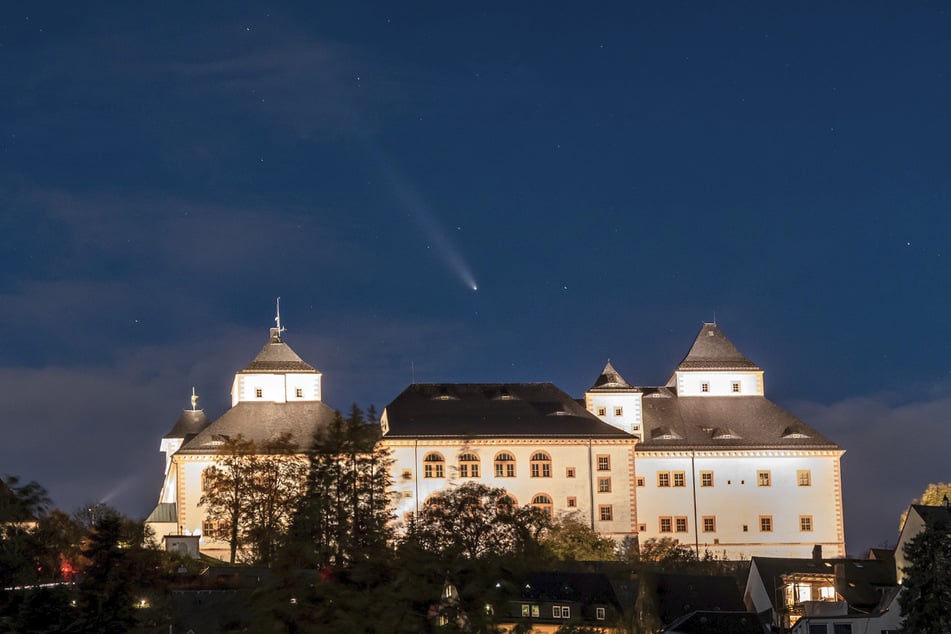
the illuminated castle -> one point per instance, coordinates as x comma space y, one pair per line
706, 459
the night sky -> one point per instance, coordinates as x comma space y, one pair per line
607, 178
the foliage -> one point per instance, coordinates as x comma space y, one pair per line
666, 550
474, 520
250, 495
123, 582
569, 538
345, 512
933, 495
21, 502
926, 595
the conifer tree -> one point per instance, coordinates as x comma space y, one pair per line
925, 598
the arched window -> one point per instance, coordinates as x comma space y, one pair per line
468, 465
507, 503
543, 502
434, 466
541, 465
504, 465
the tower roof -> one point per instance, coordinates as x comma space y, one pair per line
610, 380
711, 350
277, 356
188, 424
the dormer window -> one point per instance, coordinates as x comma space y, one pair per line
618, 411
299, 392
602, 411
736, 387
704, 387
258, 393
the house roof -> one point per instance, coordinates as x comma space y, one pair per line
712, 350
672, 422
712, 622
938, 516
859, 581
611, 380
680, 594
261, 421
589, 588
496, 410
188, 424
277, 357
164, 512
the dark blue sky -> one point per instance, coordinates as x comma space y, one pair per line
608, 178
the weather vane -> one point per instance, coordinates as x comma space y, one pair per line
277, 319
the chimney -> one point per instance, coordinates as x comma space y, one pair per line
817, 553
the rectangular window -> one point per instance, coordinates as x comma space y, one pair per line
640, 481
525, 608
535, 611
736, 387
604, 463
704, 387
427, 471
258, 392
606, 512
763, 479
804, 478
618, 411
463, 470
663, 478
666, 525
642, 528
841, 628
766, 523
572, 502
407, 474
599, 614
604, 485
680, 479
805, 523
299, 392
709, 524
556, 611
680, 524
474, 470
706, 478
602, 411
569, 472
565, 612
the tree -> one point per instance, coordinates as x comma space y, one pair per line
474, 520
666, 550
933, 495
20, 506
345, 513
226, 491
571, 539
925, 598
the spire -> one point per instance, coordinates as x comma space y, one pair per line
610, 379
711, 350
194, 399
276, 332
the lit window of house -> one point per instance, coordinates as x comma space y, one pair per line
599, 614
434, 466
541, 465
504, 465
468, 465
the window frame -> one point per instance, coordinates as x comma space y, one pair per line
605, 512
669, 522
604, 484
681, 520
604, 462
504, 465
540, 467
678, 476
703, 483
806, 524
764, 478
712, 519
469, 465
434, 466
804, 477
766, 524
663, 479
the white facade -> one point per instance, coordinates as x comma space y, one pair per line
777, 503
593, 478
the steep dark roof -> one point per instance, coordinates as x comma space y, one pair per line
585, 587
722, 421
277, 356
859, 581
711, 350
610, 380
188, 424
681, 594
497, 410
710, 622
938, 516
164, 512
263, 421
